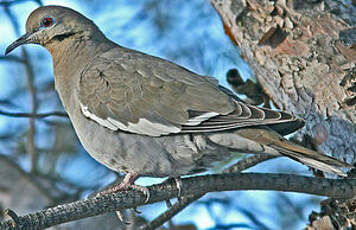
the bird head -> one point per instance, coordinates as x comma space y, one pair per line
50, 25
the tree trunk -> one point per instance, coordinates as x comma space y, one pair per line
303, 54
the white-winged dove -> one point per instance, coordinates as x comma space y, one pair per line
142, 115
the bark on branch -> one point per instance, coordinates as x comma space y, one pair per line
336, 188
185, 201
303, 55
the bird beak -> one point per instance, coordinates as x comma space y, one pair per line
24, 39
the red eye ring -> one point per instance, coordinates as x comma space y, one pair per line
47, 21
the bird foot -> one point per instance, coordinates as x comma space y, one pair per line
126, 184
121, 217
179, 186
144, 190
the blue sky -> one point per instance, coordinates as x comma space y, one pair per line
199, 45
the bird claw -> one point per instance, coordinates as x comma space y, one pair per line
124, 187
144, 190
136, 210
120, 215
126, 184
179, 185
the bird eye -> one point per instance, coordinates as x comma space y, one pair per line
47, 22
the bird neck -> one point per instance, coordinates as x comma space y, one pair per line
76, 51
70, 56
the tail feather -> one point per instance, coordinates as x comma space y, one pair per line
317, 161
306, 156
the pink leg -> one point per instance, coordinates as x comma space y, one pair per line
126, 184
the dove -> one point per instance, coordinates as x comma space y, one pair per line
145, 116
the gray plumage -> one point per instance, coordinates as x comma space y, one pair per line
140, 114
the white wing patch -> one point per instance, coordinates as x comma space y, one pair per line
153, 129
199, 119
103, 122
143, 126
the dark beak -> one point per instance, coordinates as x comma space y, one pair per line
24, 39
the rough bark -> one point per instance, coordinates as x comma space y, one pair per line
191, 186
303, 54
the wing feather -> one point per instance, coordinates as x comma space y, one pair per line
141, 94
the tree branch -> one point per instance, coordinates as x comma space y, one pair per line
248, 163
30, 143
185, 201
336, 188
176, 208
33, 115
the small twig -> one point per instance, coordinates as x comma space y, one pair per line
107, 187
27, 177
54, 181
30, 143
185, 201
12, 58
168, 204
248, 163
33, 115
167, 215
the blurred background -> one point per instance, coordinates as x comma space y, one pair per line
43, 164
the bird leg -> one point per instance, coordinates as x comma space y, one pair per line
126, 184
